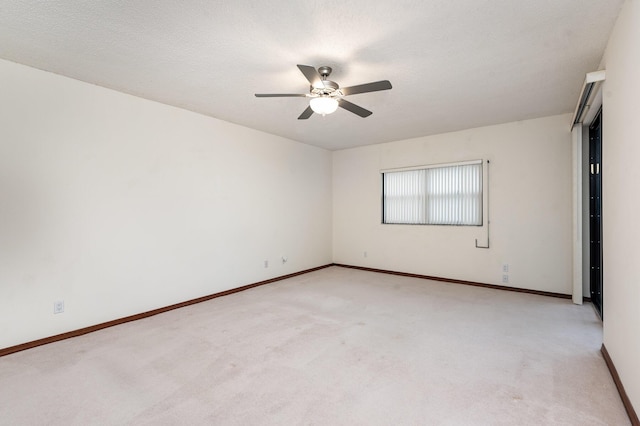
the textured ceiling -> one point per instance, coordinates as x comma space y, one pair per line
454, 64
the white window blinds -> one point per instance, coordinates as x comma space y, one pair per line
439, 195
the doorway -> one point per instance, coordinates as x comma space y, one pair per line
595, 212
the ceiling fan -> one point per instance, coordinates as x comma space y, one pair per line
326, 95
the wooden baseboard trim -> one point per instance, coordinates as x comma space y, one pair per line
454, 281
90, 329
633, 416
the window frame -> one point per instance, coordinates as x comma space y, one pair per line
435, 166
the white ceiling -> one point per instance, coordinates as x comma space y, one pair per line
454, 64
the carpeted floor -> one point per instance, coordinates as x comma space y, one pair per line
335, 346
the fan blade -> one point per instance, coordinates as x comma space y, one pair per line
368, 87
306, 113
312, 75
279, 95
354, 108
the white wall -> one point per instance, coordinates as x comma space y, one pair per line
621, 199
118, 205
530, 207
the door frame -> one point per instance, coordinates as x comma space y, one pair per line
580, 222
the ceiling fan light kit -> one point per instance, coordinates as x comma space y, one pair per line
326, 95
324, 105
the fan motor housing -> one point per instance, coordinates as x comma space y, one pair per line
329, 88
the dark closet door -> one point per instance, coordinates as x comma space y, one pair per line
595, 211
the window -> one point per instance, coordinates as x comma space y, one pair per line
434, 195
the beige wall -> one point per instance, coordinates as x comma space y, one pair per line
621, 199
118, 205
530, 207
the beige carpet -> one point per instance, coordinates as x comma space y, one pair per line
333, 347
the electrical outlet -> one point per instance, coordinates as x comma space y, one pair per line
505, 279
505, 268
364, 254
266, 263
58, 307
